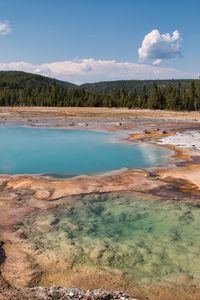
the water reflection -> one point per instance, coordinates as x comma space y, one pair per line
71, 152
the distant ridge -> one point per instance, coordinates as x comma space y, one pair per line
23, 79
110, 86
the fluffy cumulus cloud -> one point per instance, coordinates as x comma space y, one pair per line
5, 27
91, 70
157, 47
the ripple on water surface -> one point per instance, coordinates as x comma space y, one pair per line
145, 239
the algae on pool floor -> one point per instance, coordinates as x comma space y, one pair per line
145, 239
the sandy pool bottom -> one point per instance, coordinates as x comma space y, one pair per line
145, 241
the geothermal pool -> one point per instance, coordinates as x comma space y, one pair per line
146, 239
68, 153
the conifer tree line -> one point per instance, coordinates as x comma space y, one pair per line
170, 96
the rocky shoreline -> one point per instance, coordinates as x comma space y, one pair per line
60, 293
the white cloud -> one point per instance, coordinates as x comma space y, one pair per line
157, 47
5, 27
91, 70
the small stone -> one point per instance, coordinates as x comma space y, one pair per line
71, 294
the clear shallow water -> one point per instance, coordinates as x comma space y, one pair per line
148, 240
70, 152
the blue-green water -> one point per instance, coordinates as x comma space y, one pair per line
143, 237
62, 152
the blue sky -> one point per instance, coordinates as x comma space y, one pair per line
99, 39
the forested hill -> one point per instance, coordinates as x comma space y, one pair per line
20, 88
25, 80
130, 85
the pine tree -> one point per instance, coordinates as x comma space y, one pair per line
144, 98
154, 98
